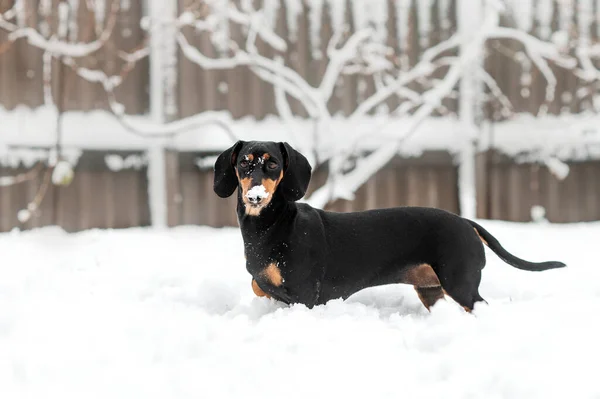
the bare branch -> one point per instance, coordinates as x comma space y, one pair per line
47, 77
31, 174
41, 193
538, 51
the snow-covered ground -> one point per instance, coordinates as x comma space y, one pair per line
170, 314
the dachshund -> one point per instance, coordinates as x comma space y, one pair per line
300, 254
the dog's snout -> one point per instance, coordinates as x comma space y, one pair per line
257, 194
254, 198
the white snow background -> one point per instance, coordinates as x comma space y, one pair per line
145, 313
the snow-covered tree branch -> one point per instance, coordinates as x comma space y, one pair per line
56, 44
470, 50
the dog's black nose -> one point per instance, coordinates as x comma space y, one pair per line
257, 194
254, 199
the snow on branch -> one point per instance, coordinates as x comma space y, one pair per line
358, 52
538, 51
68, 53
150, 130
56, 45
267, 69
492, 85
344, 185
425, 67
338, 58
340, 185
110, 83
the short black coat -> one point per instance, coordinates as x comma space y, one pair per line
322, 255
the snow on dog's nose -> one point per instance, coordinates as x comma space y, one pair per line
256, 194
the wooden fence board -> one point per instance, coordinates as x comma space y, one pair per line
515, 188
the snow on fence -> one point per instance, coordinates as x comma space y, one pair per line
159, 70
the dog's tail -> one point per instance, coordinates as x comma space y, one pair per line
509, 258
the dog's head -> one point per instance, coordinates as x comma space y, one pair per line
260, 169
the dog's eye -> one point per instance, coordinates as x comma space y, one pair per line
272, 165
244, 164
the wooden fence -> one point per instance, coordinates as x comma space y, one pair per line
236, 90
99, 197
508, 191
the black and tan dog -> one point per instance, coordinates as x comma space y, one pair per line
299, 254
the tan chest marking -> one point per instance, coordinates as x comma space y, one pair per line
253, 211
273, 274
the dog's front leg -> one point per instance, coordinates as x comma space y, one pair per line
258, 291
264, 288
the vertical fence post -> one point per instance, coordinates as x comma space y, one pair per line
157, 185
163, 104
174, 198
469, 17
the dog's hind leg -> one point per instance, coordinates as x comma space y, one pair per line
460, 262
464, 287
465, 299
429, 295
426, 283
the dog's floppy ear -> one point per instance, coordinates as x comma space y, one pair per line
225, 180
296, 173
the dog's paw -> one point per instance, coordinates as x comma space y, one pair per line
282, 294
